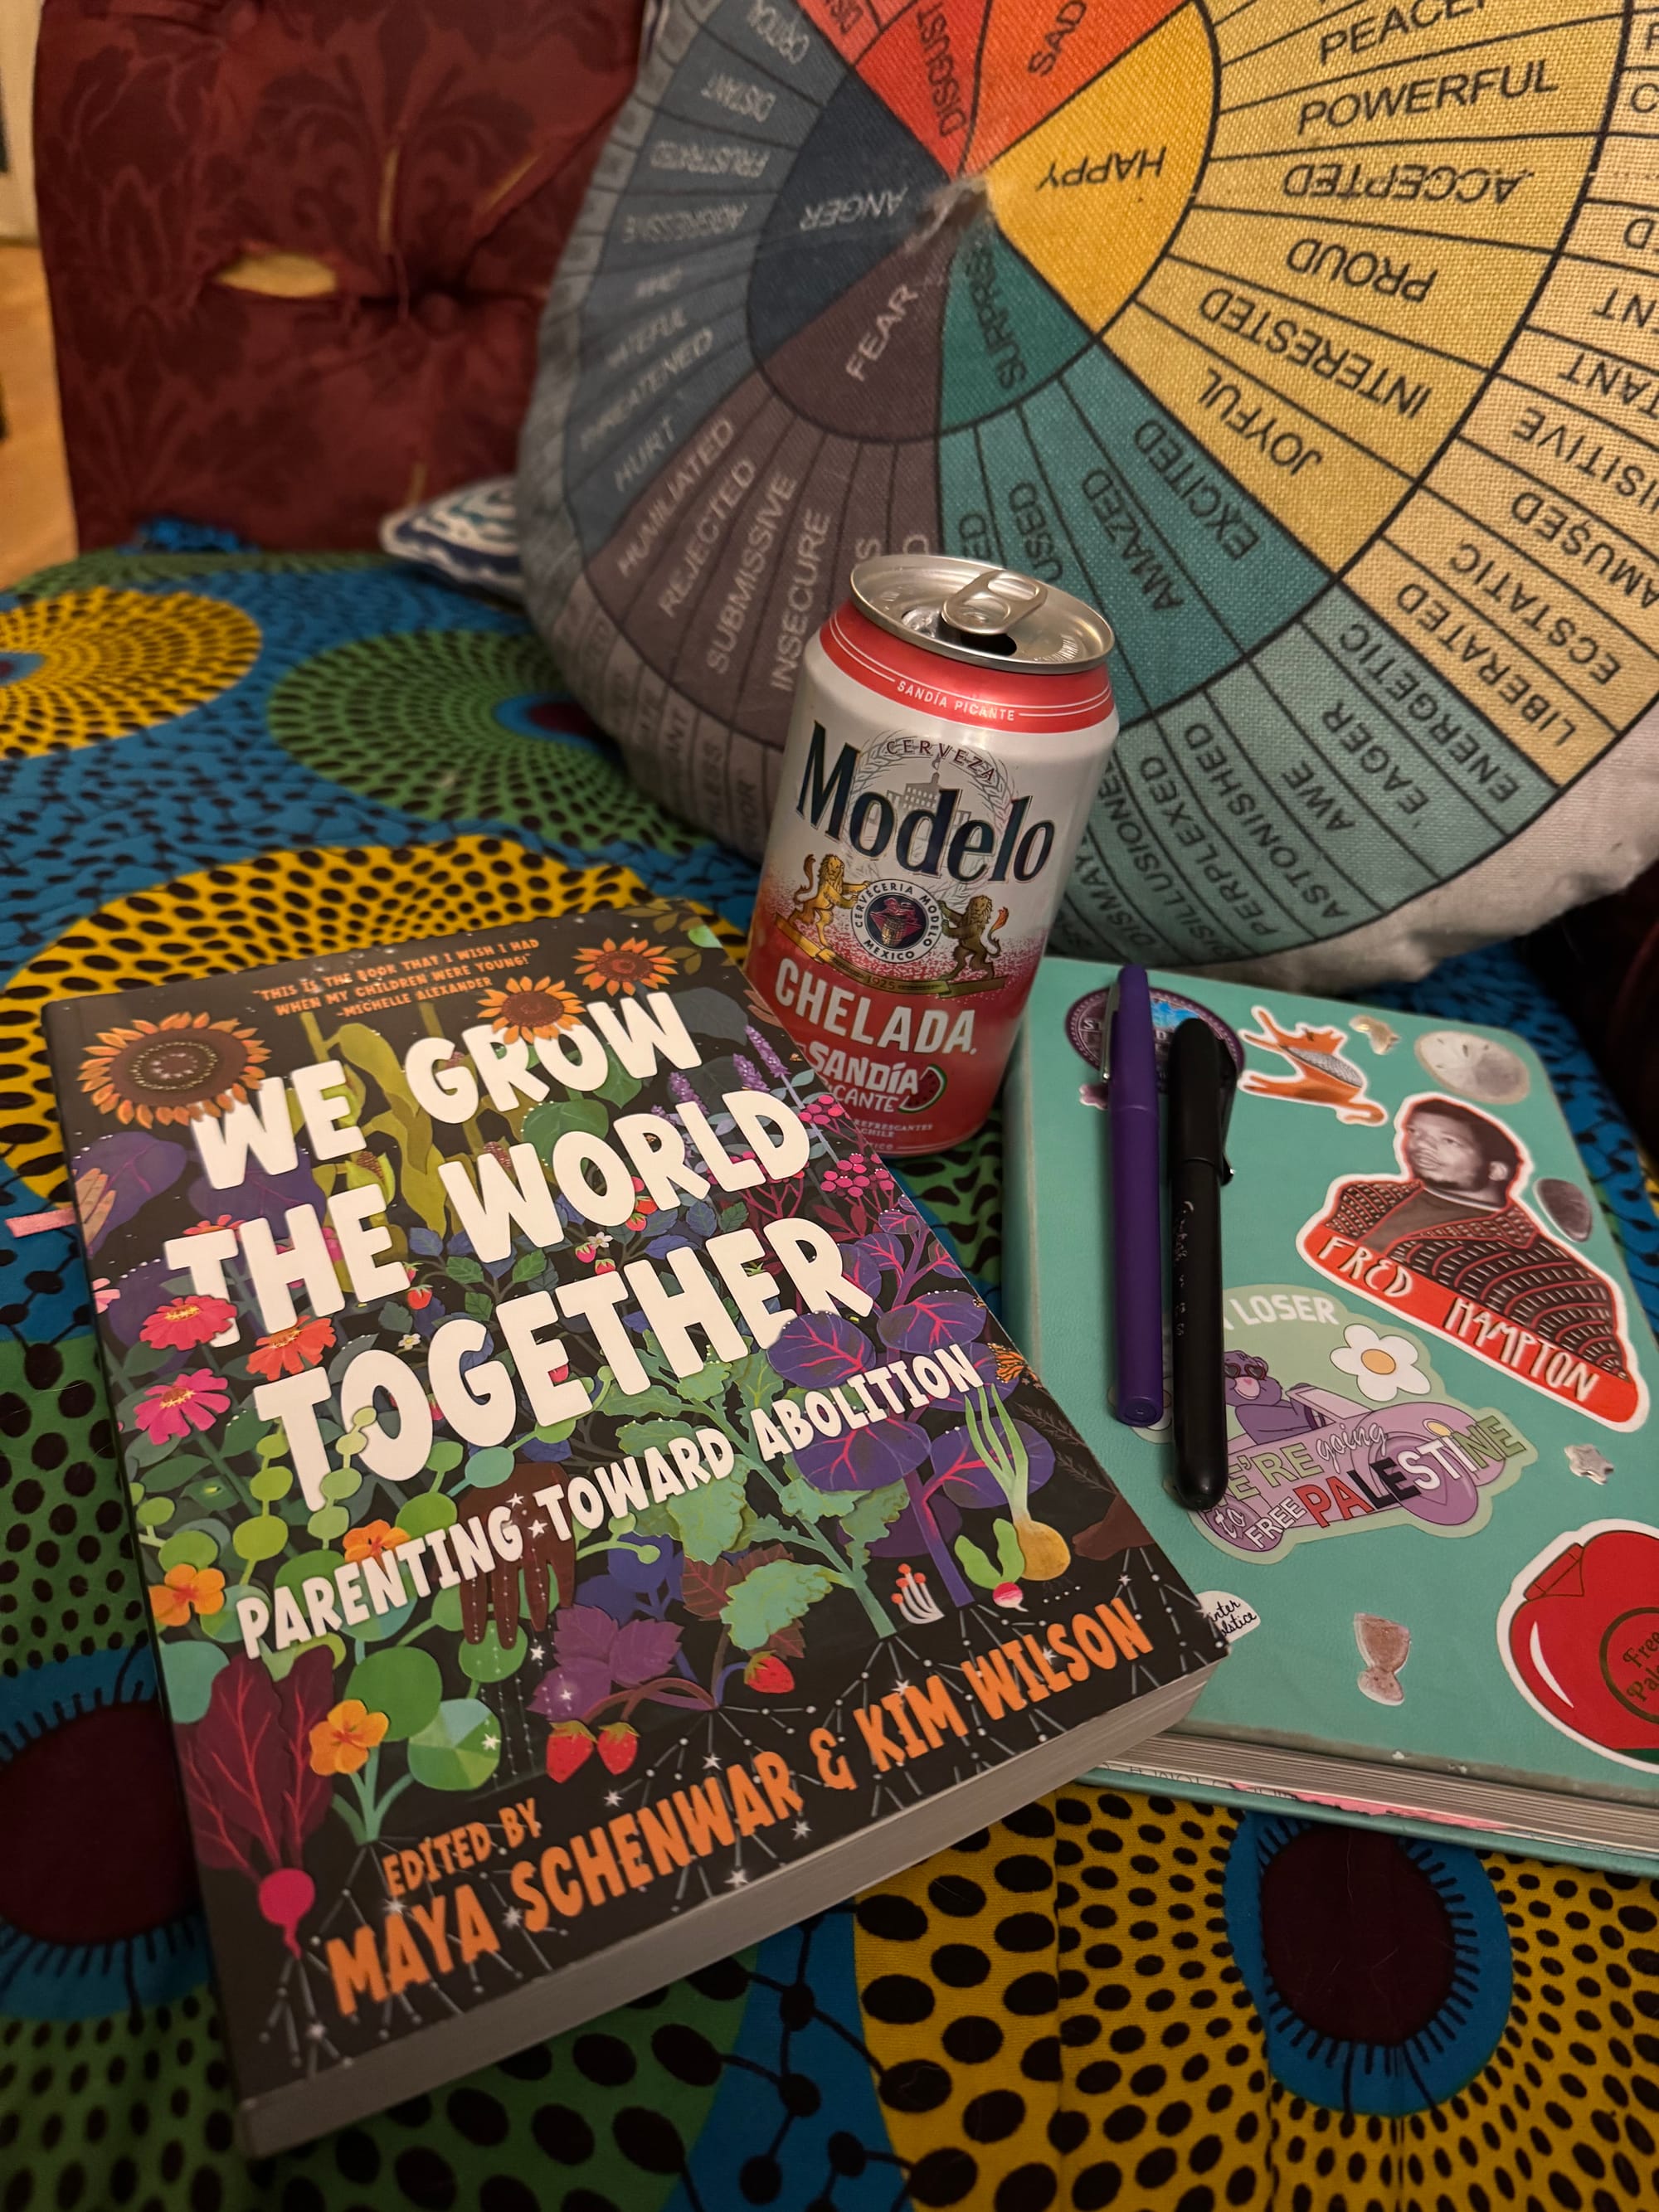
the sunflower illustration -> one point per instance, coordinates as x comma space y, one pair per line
175, 1070
636, 964
527, 1010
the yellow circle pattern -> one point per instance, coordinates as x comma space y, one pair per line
1087, 2022
1054, 2018
114, 662
280, 906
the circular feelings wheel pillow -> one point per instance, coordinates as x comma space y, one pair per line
1319, 347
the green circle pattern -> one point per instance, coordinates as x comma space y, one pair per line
119, 571
410, 719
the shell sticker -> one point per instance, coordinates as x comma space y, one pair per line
1447, 1245
1385, 1645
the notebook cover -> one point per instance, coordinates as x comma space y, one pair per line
1440, 1544
526, 1576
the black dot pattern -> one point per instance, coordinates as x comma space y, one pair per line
69, 1583
1120, 2063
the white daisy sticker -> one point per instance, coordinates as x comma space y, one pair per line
1382, 1366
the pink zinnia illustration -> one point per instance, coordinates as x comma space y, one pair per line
188, 1321
194, 1400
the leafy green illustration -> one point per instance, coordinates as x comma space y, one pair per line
771, 1598
404, 1683
459, 1749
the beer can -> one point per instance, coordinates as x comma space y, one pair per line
951, 725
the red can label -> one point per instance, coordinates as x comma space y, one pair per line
927, 819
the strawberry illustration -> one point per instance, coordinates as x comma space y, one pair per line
766, 1673
618, 1742
568, 1746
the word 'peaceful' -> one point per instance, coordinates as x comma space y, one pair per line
490, 1199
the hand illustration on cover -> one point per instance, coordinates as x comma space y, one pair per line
543, 1577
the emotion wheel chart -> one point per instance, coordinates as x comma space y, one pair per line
1319, 347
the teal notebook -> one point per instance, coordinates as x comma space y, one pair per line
1437, 1561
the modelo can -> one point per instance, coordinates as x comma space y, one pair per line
950, 727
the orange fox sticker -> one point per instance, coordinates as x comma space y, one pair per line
1320, 1075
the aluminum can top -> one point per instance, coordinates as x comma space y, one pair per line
990, 617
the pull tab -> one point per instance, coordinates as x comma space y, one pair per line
993, 603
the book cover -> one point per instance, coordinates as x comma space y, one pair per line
1438, 1554
589, 1520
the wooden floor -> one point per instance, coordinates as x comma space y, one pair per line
36, 524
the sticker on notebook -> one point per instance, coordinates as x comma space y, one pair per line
1481, 1067
1567, 1206
1579, 1637
1338, 1426
1449, 1245
1589, 1461
1230, 1616
1320, 1073
1085, 1030
1385, 1646
1376, 1032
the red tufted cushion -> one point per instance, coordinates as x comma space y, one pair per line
297, 249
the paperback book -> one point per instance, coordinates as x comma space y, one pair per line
1437, 1562
589, 1522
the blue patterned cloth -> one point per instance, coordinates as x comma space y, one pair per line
210, 758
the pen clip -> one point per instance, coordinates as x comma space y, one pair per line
1229, 1097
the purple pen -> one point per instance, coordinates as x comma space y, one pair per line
1131, 1071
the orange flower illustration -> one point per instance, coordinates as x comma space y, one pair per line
340, 1744
286, 1351
634, 966
528, 1010
186, 1589
188, 1321
372, 1541
173, 1070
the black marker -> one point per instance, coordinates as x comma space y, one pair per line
1200, 1085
